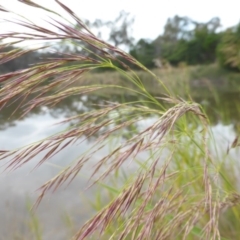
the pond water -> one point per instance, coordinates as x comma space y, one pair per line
19, 187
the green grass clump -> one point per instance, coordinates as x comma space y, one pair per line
180, 187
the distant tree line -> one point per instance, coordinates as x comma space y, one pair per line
192, 43
184, 41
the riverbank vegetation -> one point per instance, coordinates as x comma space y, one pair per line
184, 42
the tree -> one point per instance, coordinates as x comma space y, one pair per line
175, 30
202, 47
188, 41
119, 36
120, 30
144, 52
229, 49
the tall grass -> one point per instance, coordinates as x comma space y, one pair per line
181, 189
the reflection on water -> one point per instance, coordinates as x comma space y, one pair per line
221, 108
15, 187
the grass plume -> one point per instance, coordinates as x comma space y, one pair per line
176, 193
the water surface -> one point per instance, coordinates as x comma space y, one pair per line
18, 187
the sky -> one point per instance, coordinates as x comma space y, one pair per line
150, 16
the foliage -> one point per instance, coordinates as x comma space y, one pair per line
183, 41
196, 46
144, 52
229, 49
